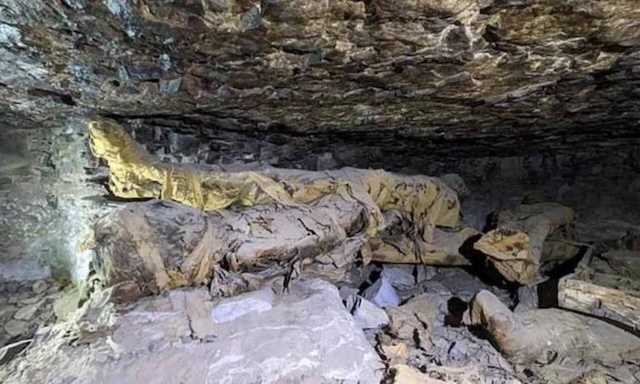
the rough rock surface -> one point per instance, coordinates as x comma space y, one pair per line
308, 336
23, 311
507, 74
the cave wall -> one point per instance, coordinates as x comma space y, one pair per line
45, 201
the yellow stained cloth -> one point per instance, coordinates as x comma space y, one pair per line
135, 174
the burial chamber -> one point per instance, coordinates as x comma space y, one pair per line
297, 191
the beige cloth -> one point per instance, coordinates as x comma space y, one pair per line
528, 236
135, 174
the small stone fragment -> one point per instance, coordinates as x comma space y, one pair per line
6, 309
10, 351
29, 301
404, 374
366, 314
16, 327
395, 352
400, 276
414, 319
66, 304
252, 19
171, 86
425, 273
28, 313
39, 287
346, 292
382, 294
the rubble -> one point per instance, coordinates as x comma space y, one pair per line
306, 335
23, 311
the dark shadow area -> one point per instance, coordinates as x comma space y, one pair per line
548, 294
455, 310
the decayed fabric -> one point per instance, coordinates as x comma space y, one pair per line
135, 174
528, 236
397, 243
146, 248
545, 336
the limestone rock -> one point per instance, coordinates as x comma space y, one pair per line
242, 305
28, 312
399, 276
413, 320
382, 294
16, 327
366, 314
440, 67
7, 310
40, 286
307, 335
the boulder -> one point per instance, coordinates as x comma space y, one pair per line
307, 336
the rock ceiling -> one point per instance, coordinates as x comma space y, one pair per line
499, 76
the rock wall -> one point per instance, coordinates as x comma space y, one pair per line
47, 201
